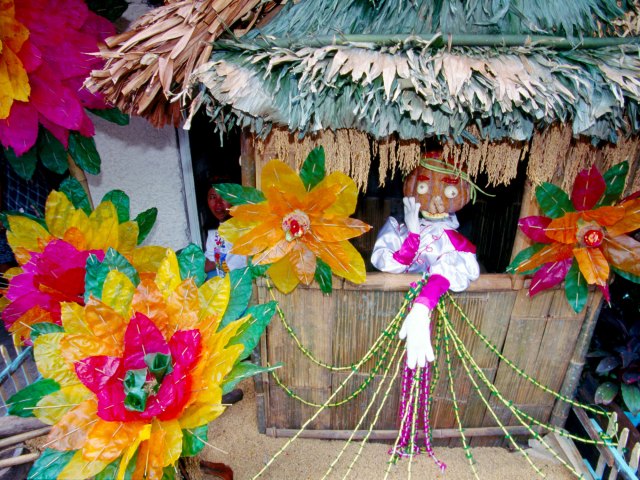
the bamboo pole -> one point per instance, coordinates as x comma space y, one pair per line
435, 40
77, 173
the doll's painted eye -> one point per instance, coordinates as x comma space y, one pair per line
450, 191
422, 188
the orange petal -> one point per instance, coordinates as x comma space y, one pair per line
104, 321
332, 228
234, 228
262, 237
283, 202
593, 265
550, 253
564, 229
303, 262
623, 252
605, 215
107, 440
77, 347
76, 238
183, 306
249, 212
274, 253
149, 301
346, 196
21, 328
283, 275
70, 433
630, 221
335, 255
280, 175
162, 449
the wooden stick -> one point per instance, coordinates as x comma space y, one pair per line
12, 425
24, 436
22, 459
77, 173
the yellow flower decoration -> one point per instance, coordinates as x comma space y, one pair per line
14, 81
301, 219
137, 374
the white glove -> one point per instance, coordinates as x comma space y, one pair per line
411, 214
416, 329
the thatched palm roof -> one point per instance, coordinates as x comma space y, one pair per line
386, 67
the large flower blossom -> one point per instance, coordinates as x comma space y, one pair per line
136, 374
14, 81
52, 255
300, 220
62, 35
583, 237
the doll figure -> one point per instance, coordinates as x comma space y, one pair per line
218, 259
428, 242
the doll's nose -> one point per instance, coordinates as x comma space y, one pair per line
436, 205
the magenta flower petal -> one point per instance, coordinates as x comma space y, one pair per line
142, 337
550, 275
605, 292
20, 129
54, 101
96, 372
23, 304
61, 133
534, 228
588, 188
185, 347
30, 56
111, 403
172, 396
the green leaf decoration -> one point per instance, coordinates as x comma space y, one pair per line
323, 276
21, 403
239, 195
241, 289
631, 397
43, 328
83, 151
249, 334
576, 288
52, 153
524, 255
244, 370
76, 194
615, 179
113, 115
191, 260
120, 200
159, 364
24, 165
192, 440
96, 272
626, 275
145, 221
49, 465
112, 10
136, 394
554, 202
259, 270
110, 472
605, 393
313, 170
169, 473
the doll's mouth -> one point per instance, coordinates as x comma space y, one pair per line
434, 216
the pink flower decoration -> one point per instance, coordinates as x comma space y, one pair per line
63, 34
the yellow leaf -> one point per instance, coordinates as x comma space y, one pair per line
50, 361
77, 347
117, 292
51, 408
105, 322
183, 305
283, 275
234, 228
281, 176
148, 300
593, 265
168, 277
61, 215
148, 259
103, 224
26, 233
73, 320
144, 434
127, 237
207, 408
107, 440
346, 195
214, 298
78, 468
70, 432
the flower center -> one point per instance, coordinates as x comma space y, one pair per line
140, 384
295, 225
590, 235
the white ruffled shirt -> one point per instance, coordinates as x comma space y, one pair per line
217, 250
436, 253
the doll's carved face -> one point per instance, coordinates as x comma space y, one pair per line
438, 194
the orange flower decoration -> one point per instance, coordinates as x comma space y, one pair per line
582, 239
300, 225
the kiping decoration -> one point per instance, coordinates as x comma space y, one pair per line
298, 225
132, 377
437, 349
55, 251
582, 238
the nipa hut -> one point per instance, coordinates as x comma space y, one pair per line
518, 92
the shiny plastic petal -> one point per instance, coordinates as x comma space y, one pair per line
96, 372
168, 277
605, 216
70, 432
148, 259
73, 319
142, 337
127, 237
346, 197
143, 435
77, 347
588, 188
207, 408
26, 233
260, 238
342, 257
214, 298
61, 215
332, 228
185, 346
550, 275
80, 468
234, 228
550, 253
280, 175
51, 364
249, 212
183, 305
534, 227
283, 275
104, 225
623, 252
148, 300
593, 265
117, 292
51, 408
303, 262
107, 440
564, 229
104, 321
630, 221
274, 253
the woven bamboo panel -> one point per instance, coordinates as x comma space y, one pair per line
538, 334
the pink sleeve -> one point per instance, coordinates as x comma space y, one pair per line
430, 294
408, 250
460, 242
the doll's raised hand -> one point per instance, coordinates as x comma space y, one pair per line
411, 214
416, 328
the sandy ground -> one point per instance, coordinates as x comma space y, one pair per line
247, 451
